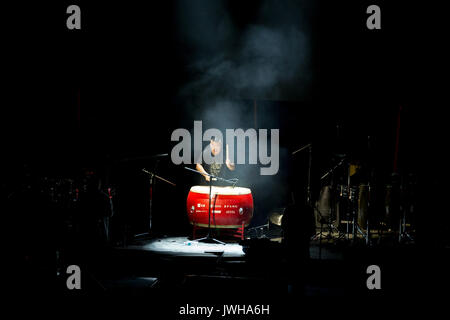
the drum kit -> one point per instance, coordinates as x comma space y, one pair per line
347, 210
343, 204
69, 196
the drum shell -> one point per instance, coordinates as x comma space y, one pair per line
227, 210
392, 206
363, 205
327, 207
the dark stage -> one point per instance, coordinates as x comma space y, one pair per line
258, 153
177, 265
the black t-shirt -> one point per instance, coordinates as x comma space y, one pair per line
216, 169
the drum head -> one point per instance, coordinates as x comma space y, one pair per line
221, 190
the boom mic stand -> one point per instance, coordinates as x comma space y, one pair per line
152, 177
212, 177
308, 190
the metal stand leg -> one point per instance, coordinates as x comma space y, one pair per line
208, 237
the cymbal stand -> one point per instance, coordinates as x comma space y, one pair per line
329, 223
356, 228
308, 190
403, 234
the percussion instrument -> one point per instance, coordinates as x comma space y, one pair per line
353, 169
392, 205
326, 207
230, 206
324, 202
363, 205
342, 190
276, 216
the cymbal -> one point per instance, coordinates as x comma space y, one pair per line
276, 217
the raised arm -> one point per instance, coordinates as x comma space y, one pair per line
228, 162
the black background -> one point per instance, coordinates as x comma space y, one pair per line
111, 91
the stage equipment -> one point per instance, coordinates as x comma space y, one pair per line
235, 203
355, 198
308, 190
271, 229
409, 197
399, 207
359, 214
106, 220
152, 177
276, 216
363, 206
326, 207
323, 206
232, 206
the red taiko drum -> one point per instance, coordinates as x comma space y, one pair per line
230, 207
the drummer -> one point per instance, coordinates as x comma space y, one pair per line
216, 169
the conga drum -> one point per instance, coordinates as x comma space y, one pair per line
231, 207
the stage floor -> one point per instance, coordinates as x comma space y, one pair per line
260, 268
182, 246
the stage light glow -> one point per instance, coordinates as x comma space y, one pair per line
184, 246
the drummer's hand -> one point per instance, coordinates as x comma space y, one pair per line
229, 164
207, 178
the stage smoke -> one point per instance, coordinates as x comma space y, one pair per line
265, 59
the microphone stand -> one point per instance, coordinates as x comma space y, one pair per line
152, 183
308, 190
332, 169
209, 238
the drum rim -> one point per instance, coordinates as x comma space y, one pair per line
242, 190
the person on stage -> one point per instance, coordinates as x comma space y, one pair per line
216, 168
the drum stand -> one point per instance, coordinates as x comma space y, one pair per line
356, 228
330, 225
106, 219
209, 238
403, 234
329, 222
352, 211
